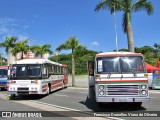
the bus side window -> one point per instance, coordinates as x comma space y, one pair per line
55, 69
52, 68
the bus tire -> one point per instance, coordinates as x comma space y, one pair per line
3, 89
49, 89
12, 97
9, 98
63, 85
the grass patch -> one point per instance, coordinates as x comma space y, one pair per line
79, 76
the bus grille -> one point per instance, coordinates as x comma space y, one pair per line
122, 90
23, 89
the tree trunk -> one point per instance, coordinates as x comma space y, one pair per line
73, 71
22, 55
9, 56
130, 38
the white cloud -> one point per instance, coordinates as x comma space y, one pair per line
95, 43
7, 26
12, 27
22, 37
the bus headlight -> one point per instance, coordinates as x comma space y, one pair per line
101, 93
144, 92
12, 88
143, 87
101, 87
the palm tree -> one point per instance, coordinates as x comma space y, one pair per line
20, 47
41, 50
71, 43
9, 43
156, 50
35, 49
128, 7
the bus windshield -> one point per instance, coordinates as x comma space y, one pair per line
26, 71
119, 65
3, 73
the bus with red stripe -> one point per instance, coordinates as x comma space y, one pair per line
118, 77
36, 76
3, 77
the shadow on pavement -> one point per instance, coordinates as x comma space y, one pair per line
33, 97
108, 107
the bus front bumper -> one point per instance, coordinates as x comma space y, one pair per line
122, 99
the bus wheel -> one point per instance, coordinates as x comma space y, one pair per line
49, 89
63, 85
12, 97
9, 98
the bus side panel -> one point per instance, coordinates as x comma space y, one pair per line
65, 82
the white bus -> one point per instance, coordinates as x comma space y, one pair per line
118, 77
36, 76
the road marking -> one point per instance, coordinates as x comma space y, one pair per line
61, 95
64, 108
51, 107
114, 118
77, 88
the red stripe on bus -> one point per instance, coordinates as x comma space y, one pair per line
44, 86
55, 86
118, 54
121, 80
44, 90
55, 82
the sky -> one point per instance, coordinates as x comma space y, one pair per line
55, 21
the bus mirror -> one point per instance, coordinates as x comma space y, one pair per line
44, 71
9, 71
8, 75
90, 68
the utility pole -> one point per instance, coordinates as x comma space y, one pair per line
1, 57
29, 55
115, 27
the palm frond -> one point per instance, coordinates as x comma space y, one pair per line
62, 47
110, 5
143, 5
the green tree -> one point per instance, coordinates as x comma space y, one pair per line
71, 44
128, 7
20, 47
81, 58
41, 50
9, 43
144, 49
156, 50
123, 50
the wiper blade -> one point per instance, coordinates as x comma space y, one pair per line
109, 75
133, 70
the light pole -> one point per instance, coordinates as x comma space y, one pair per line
115, 27
1, 57
29, 48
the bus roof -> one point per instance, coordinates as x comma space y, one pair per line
36, 61
112, 54
4, 67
